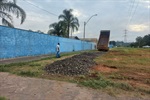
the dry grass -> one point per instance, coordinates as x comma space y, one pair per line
121, 70
33, 68
132, 66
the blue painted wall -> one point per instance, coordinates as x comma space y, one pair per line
17, 43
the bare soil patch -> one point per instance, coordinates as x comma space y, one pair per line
104, 68
137, 76
138, 84
138, 79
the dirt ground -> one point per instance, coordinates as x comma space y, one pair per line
24, 88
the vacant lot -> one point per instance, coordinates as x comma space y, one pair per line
127, 65
119, 71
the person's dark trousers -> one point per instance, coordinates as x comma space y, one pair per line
57, 54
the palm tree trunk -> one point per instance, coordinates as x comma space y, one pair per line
68, 31
71, 33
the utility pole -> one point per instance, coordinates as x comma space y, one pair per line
85, 23
125, 36
84, 31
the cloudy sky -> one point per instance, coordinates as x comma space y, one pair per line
113, 15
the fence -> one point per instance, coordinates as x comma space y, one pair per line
17, 43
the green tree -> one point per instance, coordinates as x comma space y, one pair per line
10, 7
142, 41
134, 44
55, 29
113, 43
139, 41
146, 39
69, 21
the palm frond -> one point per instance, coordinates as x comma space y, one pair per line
6, 16
52, 25
63, 17
56, 28
7, 23
14, 1
13, 8
50, 31
3, 1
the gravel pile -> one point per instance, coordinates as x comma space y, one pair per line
76, 65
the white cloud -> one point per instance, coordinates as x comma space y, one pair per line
112, 15
69, 3
138, 28
77, 32
48, 1
76, 13
146, 3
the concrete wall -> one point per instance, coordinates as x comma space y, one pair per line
17, 43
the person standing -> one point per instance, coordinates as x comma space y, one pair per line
58, 51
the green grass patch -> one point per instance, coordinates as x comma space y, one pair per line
125, 57
98, 81
127, 61
34, 64
3, 68
33, 68
132, 66
117, 76
28, 73
3, 98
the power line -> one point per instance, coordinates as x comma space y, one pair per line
40, 8
143, 17
131, 8
134, 11
130, 13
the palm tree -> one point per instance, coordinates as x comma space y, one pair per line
55, 29
58, 29
7, 8
70, 21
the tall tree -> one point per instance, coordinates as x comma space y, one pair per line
10, 7
146, 39
139, 41
55, 28
70, 21
142, 41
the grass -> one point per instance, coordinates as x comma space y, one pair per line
133, 68
3, 98
98, 81
28, 73
23, 69
126, 57
132, 75
32, 68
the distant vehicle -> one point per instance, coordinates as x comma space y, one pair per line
146, 46
103, 41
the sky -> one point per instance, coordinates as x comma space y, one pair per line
114, 15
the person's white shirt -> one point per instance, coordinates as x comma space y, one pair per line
57, 47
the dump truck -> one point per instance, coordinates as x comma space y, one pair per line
103, 41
